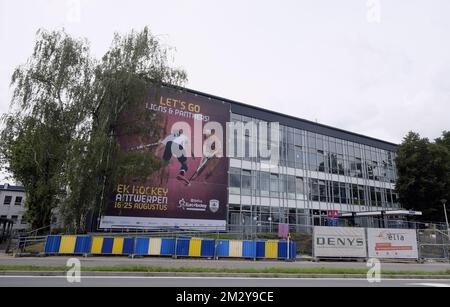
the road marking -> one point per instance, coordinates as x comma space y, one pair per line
431, 281
433, 285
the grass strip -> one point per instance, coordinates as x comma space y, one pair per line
271, 270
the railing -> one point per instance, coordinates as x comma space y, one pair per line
29, 245
35, 232
29, 242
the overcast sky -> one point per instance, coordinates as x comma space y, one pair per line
338, 62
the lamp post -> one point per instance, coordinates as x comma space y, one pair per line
444, 201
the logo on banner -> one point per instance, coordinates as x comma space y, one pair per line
214, 205
192, 205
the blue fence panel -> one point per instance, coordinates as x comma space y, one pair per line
183, 247
293, 250
107, 245
168, 247
282, 249
249, 249
83, 245
208, 248
52, 244
283, 252
128, 246
260, 249
142, 246
223, 248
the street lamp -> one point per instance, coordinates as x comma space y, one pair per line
444, 201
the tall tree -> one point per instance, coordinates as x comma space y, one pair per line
50, 92
424, 174
59, 139
122, 79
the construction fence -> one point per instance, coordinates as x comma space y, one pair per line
250, 242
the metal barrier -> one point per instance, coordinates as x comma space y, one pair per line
272, 249
236, 249
154, 247
181, 247
67, 245
276, 249
433, 244
112, 246
195, 247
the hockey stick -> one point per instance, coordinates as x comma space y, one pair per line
144, 146
199, 168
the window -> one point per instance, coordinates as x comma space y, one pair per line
298, 156
379, 199
355, 196
246, 182
15, 218
311, 141
343, 191
291, 156
283, 186
235, 181
264, 184
332, 162
359, 168
322, 191
321, 161
291, 187
340, 164
298, 139
319, 142
362, 195
394, 198
312, 159
336, 196
373, 198
3, 216
300, 188
18, 201
314, 190
7, 200
274, 185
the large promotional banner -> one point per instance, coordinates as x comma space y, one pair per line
392, 243
189, 187
339, 242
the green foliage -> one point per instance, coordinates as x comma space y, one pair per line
424, 174
59, 139
50, 92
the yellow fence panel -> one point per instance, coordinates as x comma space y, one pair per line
195, 248
67, 244
97, 244
272, 249
118, 246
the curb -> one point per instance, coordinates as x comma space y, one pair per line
212, 275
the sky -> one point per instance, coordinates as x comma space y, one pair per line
375, 67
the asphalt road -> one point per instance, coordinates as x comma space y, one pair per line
202, 282
223, 263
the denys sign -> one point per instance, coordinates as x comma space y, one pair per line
340, 242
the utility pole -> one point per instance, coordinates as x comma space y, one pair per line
444, 202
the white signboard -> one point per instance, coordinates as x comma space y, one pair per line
340, 242
392, 243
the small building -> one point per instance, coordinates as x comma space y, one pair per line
12, 205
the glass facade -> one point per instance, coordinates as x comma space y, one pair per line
315, 174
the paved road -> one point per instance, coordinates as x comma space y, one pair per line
202, 282
223, 263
